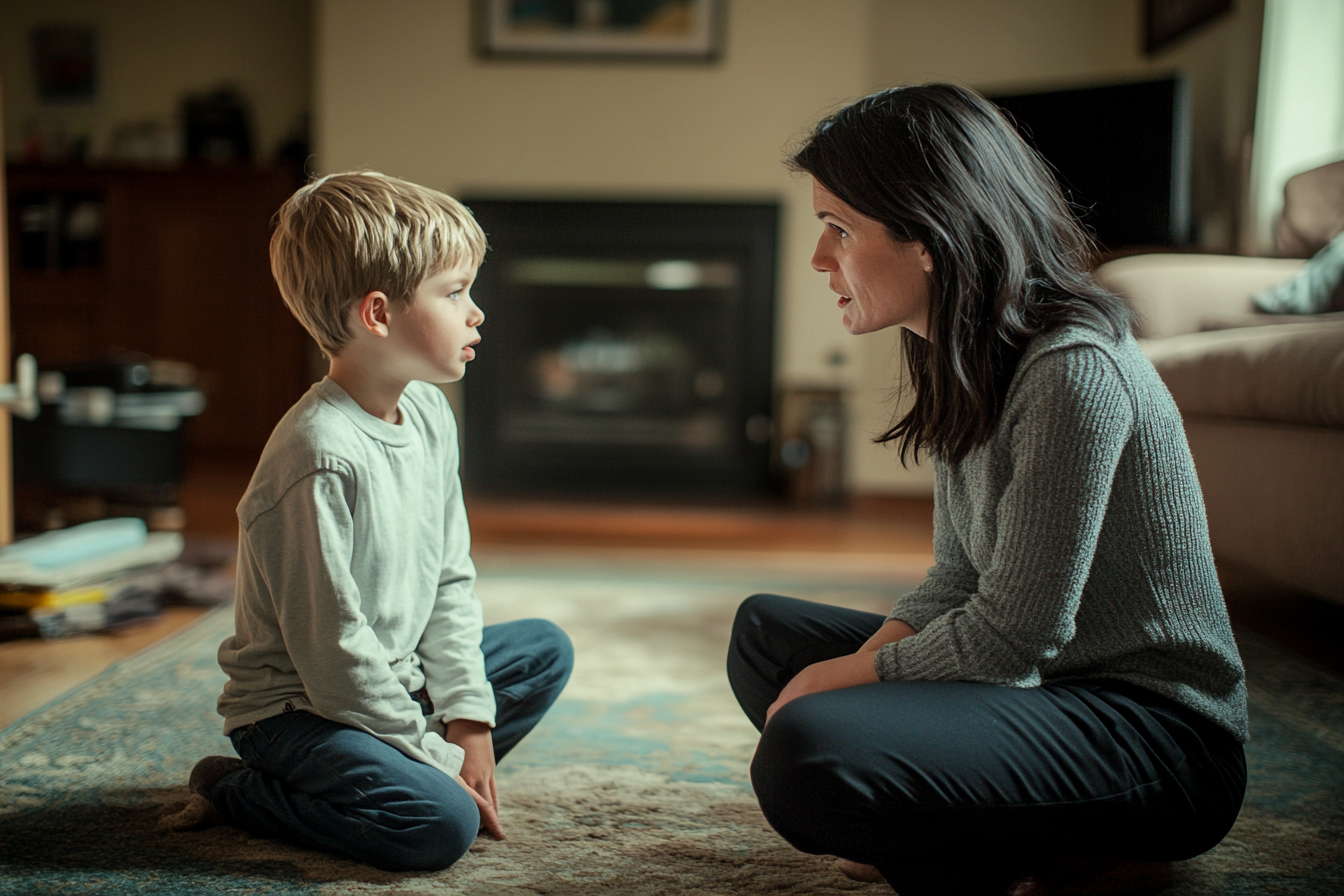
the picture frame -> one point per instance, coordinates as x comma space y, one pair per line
653, 30
1165, 21
65, 63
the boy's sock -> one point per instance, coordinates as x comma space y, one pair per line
199, 811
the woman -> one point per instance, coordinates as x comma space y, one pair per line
1065, 681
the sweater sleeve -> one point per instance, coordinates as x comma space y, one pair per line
1067, 423
450, 649
951, 580
303, 546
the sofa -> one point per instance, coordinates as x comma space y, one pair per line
1262, 397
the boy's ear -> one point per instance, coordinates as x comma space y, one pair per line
372, 313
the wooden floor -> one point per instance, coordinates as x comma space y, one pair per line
887, 536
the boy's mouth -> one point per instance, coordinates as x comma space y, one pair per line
469, 350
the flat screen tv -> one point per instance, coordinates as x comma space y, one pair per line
1121, 153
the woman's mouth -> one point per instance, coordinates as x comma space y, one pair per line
844, 300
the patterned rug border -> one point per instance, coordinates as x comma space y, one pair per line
147, 656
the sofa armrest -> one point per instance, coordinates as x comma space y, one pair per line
1176, 293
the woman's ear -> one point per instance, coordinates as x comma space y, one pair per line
372, 313
925, 258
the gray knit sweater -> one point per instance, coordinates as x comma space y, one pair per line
1073, 545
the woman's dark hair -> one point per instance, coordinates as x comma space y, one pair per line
941, 165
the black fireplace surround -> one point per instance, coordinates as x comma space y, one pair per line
627, 350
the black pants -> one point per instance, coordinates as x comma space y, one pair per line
958, 787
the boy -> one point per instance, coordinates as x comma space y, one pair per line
367, 702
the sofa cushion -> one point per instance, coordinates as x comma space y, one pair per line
1236, 321
1177, 293
1291, 373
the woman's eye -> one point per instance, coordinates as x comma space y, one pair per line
839, 230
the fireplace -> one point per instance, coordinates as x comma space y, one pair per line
627, 350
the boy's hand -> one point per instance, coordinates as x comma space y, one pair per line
489, 816
478, 769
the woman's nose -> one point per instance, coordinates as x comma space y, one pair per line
822, 261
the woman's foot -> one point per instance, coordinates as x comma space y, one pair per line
859, 871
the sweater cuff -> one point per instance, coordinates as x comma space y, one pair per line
926, 603
887, 664
915, 613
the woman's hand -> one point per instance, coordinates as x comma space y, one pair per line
828, 675
478, 769
843, 671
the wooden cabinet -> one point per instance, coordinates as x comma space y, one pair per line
171, 263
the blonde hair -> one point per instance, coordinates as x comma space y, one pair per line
346, 235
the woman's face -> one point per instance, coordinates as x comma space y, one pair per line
881, 282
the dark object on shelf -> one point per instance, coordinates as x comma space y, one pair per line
96, 458
811, 445
295, 151
1121, 153
218, 127
130, 372
106, 436
628, 350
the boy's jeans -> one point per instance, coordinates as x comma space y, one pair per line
329, 786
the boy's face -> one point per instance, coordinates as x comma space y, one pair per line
437, 331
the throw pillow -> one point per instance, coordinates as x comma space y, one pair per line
1317, 287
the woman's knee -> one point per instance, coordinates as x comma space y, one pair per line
799, 773
756, 615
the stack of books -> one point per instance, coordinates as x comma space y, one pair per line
85, 578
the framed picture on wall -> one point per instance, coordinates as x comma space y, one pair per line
688, 30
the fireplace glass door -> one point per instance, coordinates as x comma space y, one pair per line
623, 352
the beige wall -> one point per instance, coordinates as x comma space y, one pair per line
152, 52
402, 91
431, 111
394, 85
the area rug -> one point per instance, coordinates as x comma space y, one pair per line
635, 783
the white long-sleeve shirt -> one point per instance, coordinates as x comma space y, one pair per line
355, 582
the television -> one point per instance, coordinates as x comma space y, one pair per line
1121, 153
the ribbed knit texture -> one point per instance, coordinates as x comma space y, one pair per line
1074, 544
